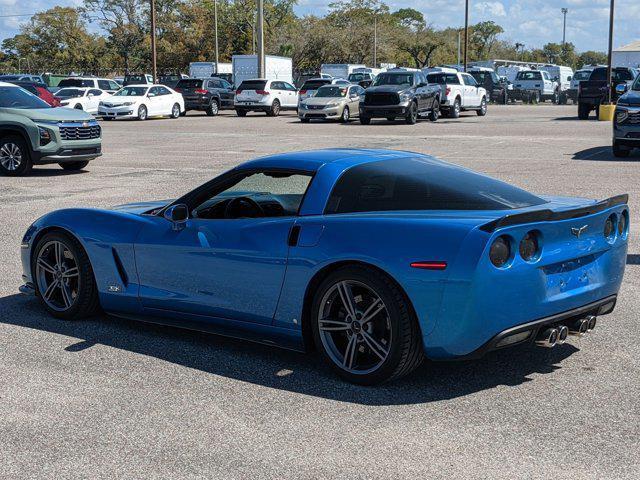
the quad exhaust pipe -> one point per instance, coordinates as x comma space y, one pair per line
552, 336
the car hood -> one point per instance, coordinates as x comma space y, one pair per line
52, 114
141, 207
323, 100
632, 98
388, 89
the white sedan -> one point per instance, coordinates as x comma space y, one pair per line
142, 102
86, 99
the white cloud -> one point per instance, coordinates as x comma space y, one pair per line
491, 9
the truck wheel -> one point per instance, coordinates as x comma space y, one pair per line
434, 114
241, 113
454, 111
583, 111
304, 120
72, 166
620, 151
213, 108
15, 159
412, 115
556, 98
482, 111
274, 111
365, 120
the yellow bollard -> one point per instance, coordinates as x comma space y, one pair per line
606, 112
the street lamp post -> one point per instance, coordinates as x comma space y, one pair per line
260, 34
153, 41
609, 53
466, 32
564, 25
215, 29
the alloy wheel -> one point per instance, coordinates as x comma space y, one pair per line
355, 327
10, 156
58, 275
175, 113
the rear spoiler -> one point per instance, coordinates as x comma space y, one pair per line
547, 215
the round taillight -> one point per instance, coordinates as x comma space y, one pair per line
500, 251
622, 223
529, 246
609, 227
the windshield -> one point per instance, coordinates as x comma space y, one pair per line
314, 84
135, 79
636, 84
582, 75
190, 83
69, 93
131, 92
331, 91
16, 97
358, 77
529, 76
393, 79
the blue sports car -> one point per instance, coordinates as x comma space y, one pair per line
375, 258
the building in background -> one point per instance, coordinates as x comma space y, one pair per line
627, 56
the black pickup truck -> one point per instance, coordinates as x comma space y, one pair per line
400, 93
593, 92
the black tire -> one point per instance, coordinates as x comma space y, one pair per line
482, 111
454, 111
620, 151
556, 98
175, 110
86, 302
142, 113
304, 120
434, 114
15, 157
74, 165
274, 111
241, 113
405, 351
412, 115
365, 120
78, 107
346, 116
213, 108
583, 111
183, 113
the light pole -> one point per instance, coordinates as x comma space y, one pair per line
260, 33
564, 25
466, 32
215, 29
153, 41
611, 15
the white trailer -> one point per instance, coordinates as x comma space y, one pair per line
245, 67
339, 70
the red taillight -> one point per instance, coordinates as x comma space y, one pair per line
448, 91
201, 91
430, 265
302, 92
238, 92
262, 92
178, 90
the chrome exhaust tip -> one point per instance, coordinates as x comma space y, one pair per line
579, 327
563, 332
547, 338
591, 324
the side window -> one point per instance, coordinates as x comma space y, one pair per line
277, 85
545, 75
113, 85
104, 84
95, 91
226, 84
267, 194
163, 91
290, 87
154, 91
215, 84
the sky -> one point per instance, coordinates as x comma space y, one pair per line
532, 22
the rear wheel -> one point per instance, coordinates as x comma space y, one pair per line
454, 111
213, 109
482, 111
364, 327
241, 113
412, 115
583, 111
142, 112
73, 165
63, 277
274, 111
620, 151
14, 156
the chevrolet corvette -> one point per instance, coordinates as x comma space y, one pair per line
375, 258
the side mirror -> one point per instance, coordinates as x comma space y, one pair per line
621, 88
151, 95
177, 215
569, 78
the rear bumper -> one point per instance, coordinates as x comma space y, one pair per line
498, 342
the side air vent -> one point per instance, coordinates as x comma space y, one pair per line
121, 271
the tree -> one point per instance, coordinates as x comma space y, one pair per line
591, 58
420, 45
483, 37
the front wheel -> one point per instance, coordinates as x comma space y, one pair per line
142, 112
304, 120
364, 327
365, 120
412, 115
14, 156
482, 111
63, 277
620, 151
175, 110
72, 166
434, 114
241, 113
345, 117
78, 106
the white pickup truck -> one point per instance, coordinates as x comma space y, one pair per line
460, 92
537, 83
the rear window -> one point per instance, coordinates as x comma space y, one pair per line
529, 76
314, 84
69, 92
443, 78
583, 75
253, 85
419, 184
190, 83
76, 82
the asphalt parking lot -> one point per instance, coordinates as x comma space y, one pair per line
109, 398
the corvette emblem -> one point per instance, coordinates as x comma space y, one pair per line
577, 231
